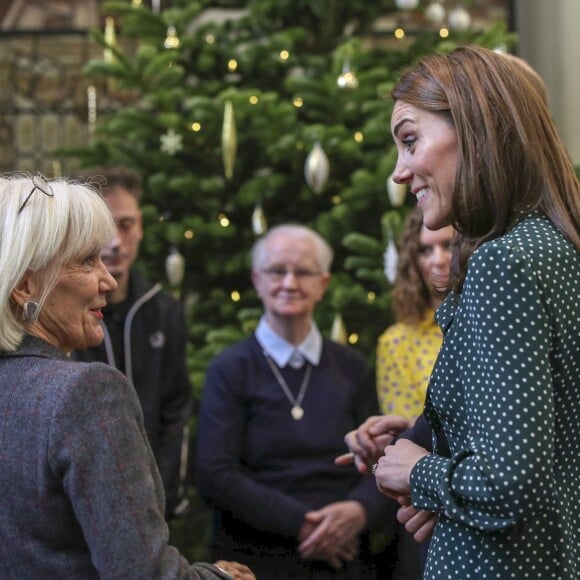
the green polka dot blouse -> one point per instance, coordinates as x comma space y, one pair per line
506, 392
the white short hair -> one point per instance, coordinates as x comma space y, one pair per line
40, 234
324, 252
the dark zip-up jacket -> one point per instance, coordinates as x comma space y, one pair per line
154, 339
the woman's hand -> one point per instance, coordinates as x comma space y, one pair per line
366, 444
236, 570
419, 523
393, 471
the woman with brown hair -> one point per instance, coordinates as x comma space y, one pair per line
478, 148
407, 350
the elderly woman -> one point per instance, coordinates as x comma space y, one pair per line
80, 496
274, 412
478, 148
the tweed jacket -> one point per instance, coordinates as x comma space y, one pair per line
80, 494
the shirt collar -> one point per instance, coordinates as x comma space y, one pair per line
285, 353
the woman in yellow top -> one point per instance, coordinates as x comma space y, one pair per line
407, 350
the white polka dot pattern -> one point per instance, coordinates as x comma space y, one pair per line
506, 391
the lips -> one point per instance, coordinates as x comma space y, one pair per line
97, 312
421, 193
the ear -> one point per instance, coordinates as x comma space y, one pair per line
256, 281
324, 282
140, 224
25, 290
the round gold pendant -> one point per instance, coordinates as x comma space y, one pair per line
297, 412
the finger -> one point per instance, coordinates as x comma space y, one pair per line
426, 531
345, 459
351, 441
361, 465
365, 444
314, 517
349, 552
405, 513
235, 569
392, 424
388, 492
313, 539
414, 523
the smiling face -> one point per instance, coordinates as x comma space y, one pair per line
434, 258
289, 280
427, 148
70, 318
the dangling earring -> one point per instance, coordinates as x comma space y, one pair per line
30, 310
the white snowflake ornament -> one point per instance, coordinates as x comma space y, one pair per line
171, 142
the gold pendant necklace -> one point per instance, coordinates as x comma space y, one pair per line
296, 411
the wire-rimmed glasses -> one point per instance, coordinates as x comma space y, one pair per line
38, 182
278, 273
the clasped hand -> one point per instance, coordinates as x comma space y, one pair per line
370, 444
331, 533
367, 443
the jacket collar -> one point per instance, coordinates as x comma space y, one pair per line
34, 346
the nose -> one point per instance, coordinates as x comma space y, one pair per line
401, 174
114, 245
106, 282
441, 256
289, 278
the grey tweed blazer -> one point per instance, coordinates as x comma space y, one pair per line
80, 495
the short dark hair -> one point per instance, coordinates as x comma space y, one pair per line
108, 178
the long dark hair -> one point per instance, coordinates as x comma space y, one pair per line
511, 158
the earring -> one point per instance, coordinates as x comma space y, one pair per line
30, 310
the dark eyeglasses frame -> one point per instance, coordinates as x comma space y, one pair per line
38, 182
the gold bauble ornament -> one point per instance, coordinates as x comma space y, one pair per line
229, 140
347, 79
110, 39
338, 331
171, 40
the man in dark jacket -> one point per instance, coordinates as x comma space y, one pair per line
145, 338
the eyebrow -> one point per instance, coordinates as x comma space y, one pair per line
397, 127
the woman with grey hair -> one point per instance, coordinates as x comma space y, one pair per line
80, 495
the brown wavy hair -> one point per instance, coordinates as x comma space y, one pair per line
411, 297
510, 159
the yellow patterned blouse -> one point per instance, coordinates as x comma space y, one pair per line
406, 354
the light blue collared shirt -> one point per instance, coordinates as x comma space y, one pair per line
284, 353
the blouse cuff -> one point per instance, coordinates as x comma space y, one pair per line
426, 478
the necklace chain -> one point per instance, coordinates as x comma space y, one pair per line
297, 411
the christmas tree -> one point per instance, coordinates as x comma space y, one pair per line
242, 115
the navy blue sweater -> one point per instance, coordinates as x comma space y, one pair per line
264, 470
